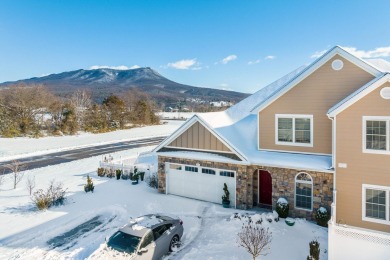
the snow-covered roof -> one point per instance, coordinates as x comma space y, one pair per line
243, 135
246, 105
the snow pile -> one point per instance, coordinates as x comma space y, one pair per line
322, 210
282, 201
144, 222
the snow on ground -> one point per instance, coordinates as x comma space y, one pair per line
11, 148
209, 231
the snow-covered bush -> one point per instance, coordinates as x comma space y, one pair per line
314, 250
53, 196
110, 173
282, 207
322, 217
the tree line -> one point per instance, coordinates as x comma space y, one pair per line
32, 110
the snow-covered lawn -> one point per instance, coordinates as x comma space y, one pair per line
209, 230
11, 148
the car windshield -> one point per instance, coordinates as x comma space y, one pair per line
123, 242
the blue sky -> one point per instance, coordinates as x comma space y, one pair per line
236, 45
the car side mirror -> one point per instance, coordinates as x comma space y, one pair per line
142, 250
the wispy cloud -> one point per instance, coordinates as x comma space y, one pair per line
185, 64
375, 53
227, 59
254, 62
270, 57
121, 67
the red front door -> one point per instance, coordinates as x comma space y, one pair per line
265, 188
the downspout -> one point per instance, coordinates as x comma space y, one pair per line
333, 207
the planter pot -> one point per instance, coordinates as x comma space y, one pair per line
226, 203
134, 182
290, 222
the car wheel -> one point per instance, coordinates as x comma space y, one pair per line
175, 243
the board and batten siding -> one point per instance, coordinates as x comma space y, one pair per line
198, 137
315, 95
362, 168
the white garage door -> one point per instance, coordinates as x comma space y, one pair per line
200, 182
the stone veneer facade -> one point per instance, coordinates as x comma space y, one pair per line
283, 184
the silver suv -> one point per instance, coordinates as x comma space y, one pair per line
148, 237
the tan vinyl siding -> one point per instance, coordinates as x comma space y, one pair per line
313, 96
198, 137
362, 168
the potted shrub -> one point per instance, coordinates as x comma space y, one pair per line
290, 221
282, 207
89, 186
142, 175
118, 174
135, 179
322, 217
225, 197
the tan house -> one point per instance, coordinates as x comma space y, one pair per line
319, 137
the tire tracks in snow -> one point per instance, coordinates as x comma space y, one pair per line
207, 219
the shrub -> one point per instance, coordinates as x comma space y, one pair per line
282, 207
53, 196
89, 186
135, 177
322, 217
110, 173
225, 197
118, 174
314, 250
153, 181
100, 172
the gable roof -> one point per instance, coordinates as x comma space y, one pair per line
188, 124
358, 94
337, 50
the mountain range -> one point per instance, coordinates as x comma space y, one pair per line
104, 81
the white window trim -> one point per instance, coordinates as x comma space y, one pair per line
375, 187
376, 118
295, 191
293, 116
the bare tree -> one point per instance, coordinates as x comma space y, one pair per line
16, 168
81, 101
30, 184
256, 240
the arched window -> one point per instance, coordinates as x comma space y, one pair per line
303, 191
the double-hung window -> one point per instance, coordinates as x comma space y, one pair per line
294, 130
376, 134
376, 204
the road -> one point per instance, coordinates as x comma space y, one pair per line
81, 153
